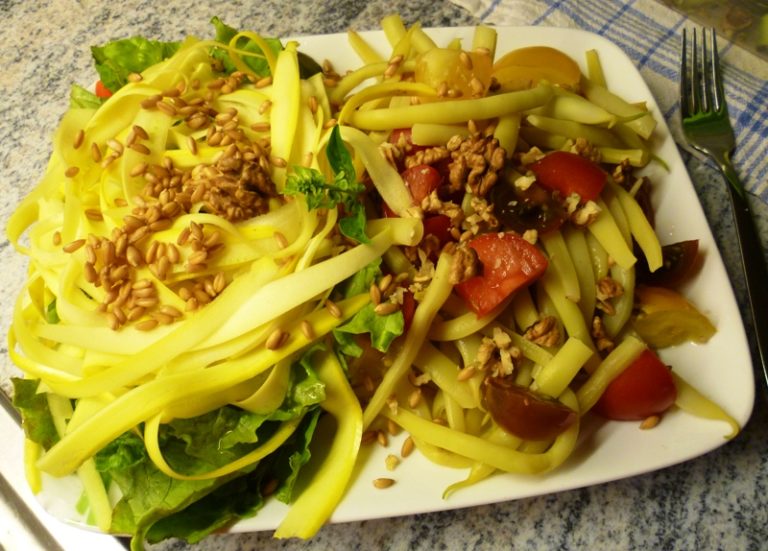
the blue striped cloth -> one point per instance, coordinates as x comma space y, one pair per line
650, 34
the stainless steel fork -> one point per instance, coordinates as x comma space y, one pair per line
707, 128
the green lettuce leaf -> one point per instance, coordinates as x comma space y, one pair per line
382, 329
257, 63
79, 97
224, 33
156, 506
119, 58
123, 453
361, 281
241, 497
36, 417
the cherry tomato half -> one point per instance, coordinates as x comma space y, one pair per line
101, 90
680, 260
421, 180
523, 412
509, 262
644, 388
569, 173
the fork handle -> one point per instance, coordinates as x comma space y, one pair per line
753, 262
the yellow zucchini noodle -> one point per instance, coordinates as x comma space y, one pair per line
170, 275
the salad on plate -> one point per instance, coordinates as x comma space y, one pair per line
237, 252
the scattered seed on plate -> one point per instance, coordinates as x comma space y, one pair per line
276, 339
384, 283
262, 82
392, 427
391, 462
78, 140
279, 162
140, 148
282, 241
90, 273
382, 483
466, 373
407, 447
650, 422
414, 399
72, 246
375, 294
90, 253
146, 325
368, 437
94, 214
307, 330
386, 308
112, 321
269, 487
333, 309
95, 153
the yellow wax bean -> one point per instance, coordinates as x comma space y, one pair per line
453, 111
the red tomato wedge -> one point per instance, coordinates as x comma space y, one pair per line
643, 389
101, 90
421, 181
438, 225
509, 262
569, 173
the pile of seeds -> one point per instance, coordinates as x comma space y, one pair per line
236, 185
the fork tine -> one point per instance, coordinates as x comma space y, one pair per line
685, 81
695, 76
717, 77
707, 70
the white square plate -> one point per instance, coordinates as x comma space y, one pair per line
721, 369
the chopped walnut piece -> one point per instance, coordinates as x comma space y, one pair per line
532, 236
431, 203
480, 221
501, 338
524, 182
531, 156
621, 171
428, 156
585, 215
485, 352
585, 149
391, 152
603, 343
431, 245
475, 163
544, 332
464, 264
607, 289
497, 355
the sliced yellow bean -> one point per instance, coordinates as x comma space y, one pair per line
453, 111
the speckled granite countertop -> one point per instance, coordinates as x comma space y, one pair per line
719, 501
